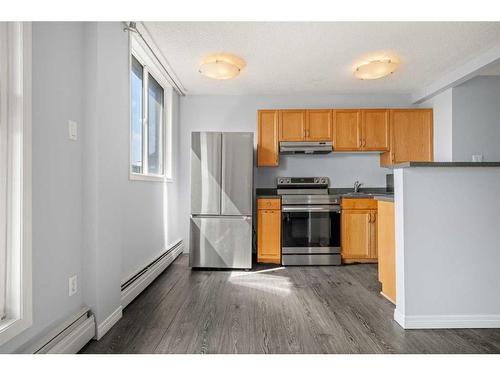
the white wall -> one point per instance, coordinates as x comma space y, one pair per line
128, 223
239, 113
57, 176
476, 119
447, 247
151, 222
89, 219
442, 106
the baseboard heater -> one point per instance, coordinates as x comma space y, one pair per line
138, 282
68, 337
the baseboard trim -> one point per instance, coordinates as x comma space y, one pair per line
109, 322
151, 272
446, 321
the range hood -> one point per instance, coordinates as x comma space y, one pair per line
287, 148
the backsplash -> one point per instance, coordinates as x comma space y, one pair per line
342, 169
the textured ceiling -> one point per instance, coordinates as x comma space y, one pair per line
318, 58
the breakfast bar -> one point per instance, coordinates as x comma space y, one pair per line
447, 245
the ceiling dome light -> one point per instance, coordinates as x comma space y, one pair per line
376, 69
221, 66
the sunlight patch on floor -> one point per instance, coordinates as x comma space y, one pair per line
259, 280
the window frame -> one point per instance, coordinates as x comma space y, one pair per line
16, 49
151, 66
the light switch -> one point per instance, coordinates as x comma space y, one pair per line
73, 130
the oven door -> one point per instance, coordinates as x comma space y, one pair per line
311, 229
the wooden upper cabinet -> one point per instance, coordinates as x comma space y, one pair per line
375, 130
292, 125
319, 125
412, 138
401, 135
346, 130
267, 146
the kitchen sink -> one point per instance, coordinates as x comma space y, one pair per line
358, 195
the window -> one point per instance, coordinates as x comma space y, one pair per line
150, 117
15, 179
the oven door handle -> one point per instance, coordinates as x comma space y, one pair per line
315, 208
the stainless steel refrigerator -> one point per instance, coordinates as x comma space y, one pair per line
221, 200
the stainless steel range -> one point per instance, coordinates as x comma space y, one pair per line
310, 221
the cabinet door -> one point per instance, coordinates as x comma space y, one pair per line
411, 135
292, 125
269, 236
375, 129
267, 142
356, 234
373, 235
386, 249
319, 125
346, 130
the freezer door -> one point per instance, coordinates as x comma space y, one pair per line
205, 172
237, 173
221, 242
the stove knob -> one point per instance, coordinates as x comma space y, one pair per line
316, 180
281, 180
323, 180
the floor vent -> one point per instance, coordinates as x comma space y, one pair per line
138, 282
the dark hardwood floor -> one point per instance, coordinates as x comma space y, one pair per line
275, 310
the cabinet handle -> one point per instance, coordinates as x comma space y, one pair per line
364, 142
360, 143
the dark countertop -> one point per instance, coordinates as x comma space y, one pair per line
366, 193
385, 198
446, 164
266, 193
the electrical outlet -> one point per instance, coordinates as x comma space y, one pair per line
73, 285
72, 130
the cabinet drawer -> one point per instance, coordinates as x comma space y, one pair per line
269, 204
359, 204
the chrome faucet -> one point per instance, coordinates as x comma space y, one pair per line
357, 185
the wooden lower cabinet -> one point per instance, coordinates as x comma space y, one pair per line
386, 243
269, 230
359, 231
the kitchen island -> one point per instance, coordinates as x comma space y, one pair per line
447, 245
